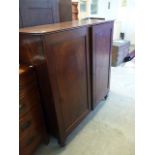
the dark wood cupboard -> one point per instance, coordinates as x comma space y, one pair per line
72, 62
40, 12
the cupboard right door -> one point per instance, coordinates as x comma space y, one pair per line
101, 60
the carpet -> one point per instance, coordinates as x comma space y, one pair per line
109, 129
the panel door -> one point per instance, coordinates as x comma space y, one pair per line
65, 10
38, 12
68, 66
102, 39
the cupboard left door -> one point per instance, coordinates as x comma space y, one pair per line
68, 66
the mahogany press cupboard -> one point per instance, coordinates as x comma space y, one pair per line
72, 62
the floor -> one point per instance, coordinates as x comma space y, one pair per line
109, 129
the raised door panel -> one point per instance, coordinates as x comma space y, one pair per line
102, 37
67, 60
38, 12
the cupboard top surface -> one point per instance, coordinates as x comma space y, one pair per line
50, 28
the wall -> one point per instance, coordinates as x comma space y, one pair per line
105, 12
85, 14
128, 20
122, 11
123, 16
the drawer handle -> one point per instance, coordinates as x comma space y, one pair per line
30, 140
26, 125
21, 107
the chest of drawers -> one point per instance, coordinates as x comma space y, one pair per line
32, 129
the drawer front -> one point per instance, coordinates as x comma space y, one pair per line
25, 80
29, 143
26, 91
31, 122
27, 101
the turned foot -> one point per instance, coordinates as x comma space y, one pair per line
61, 142
46, 140
106, 97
